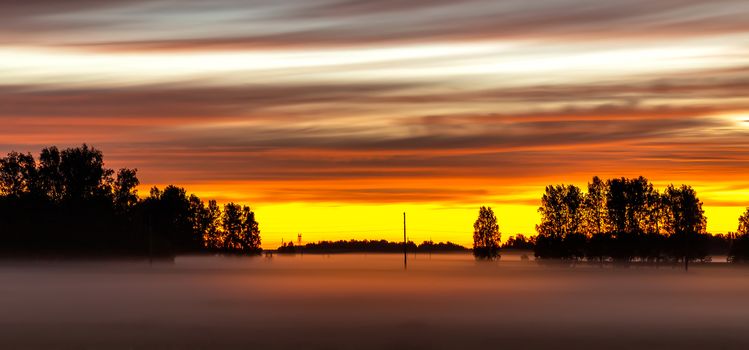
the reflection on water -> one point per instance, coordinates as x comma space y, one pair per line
357, 301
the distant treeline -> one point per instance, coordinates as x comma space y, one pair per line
520, 242
627, 219
67, 203
374, 246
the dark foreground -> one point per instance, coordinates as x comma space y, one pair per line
369, 302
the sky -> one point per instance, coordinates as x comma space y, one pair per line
333, 117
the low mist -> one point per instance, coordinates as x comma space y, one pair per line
358, 301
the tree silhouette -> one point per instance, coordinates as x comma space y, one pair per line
50, 179
486, 235
744, 223
595, 213
231, 223
213, 237
251, 235
171, 208
70, 203
17, 174
125, 191
632, 206
241, 231
83, 173
622, 219
595, 207
560, 230
198, 217
685, 220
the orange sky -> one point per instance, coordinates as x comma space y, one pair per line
332, 117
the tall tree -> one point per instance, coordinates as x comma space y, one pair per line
574, 237
653, 215
573, 204
251, 237
241, 230
168, 212
17, 174
553, 213
213, 236
633, 211
198, 214
231, 223
560, 232
50, 177
486, 235
744, 223
629, 204
125, 191
684, 221
595, 207
83, 173
617, 205
684, 211
595, 212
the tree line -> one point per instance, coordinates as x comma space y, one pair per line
620, 219
374, 246
67, 202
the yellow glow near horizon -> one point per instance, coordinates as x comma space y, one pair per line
318, 221
440, 223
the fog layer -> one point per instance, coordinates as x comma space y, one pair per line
369, 302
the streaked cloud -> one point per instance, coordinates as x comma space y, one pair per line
231, 24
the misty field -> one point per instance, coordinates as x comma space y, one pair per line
368, 301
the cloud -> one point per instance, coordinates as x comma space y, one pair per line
230, 24
702, 92
292, 153
285, 133
169, 101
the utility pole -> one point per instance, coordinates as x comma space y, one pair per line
405, 244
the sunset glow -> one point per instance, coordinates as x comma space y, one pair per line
331, 118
